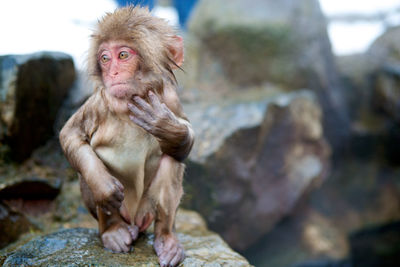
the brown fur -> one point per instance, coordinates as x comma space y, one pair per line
130, 174
151, 37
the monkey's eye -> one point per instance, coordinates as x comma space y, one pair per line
123, 55
104, 59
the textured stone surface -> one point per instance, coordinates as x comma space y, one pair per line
254, 158
82, 247
360, 193
12, 225
32, 88
283, 42
385, 55
28, 191
373, 79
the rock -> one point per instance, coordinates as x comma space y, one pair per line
32, 90
385, 49
12, 225
306, 238
81, 247
284, 42
29, 190
360, 193
78, 94
385, 55
373, 82
254, 157
263, 35
30, 195
373, 76
376, 246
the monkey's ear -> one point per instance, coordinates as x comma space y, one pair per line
176, 50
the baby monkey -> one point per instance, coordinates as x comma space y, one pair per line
128, 140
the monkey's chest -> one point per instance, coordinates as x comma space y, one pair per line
128, 151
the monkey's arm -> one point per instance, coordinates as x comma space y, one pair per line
74, 140
166, 122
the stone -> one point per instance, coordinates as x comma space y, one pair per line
12, 224
306, 238
385, 55
373, 84
254, 158
30, 190
82, 247
376, 246
268, 41
27, 192
32, 89
360, 195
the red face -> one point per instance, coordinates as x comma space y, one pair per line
118, 64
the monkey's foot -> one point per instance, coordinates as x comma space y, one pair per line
134, 231
119, 237
169, 251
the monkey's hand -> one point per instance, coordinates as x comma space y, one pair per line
173, 133
108, 193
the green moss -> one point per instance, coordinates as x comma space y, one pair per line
250, 54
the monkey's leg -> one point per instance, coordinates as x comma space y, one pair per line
166, 191
145, 214
115, 231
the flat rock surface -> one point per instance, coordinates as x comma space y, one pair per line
82, 247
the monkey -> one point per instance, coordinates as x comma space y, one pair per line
129, 139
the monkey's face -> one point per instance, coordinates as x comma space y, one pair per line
118, 63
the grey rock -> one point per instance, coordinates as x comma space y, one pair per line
32, 88
12, 224
82, 247
284, 42
253, 160
385, 55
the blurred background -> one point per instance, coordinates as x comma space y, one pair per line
295, 105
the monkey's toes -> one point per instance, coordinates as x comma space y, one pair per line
134, 232
117, 238
170, 252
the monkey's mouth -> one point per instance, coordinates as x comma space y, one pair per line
118, 83
120, 90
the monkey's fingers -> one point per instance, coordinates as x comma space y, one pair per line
154, 100
142, 123
136, 111
169, 113
143, 105
120, 186
112, 205
159, 107
106, 209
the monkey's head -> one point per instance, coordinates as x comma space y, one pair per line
132, 51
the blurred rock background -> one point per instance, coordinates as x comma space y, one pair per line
297, 153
